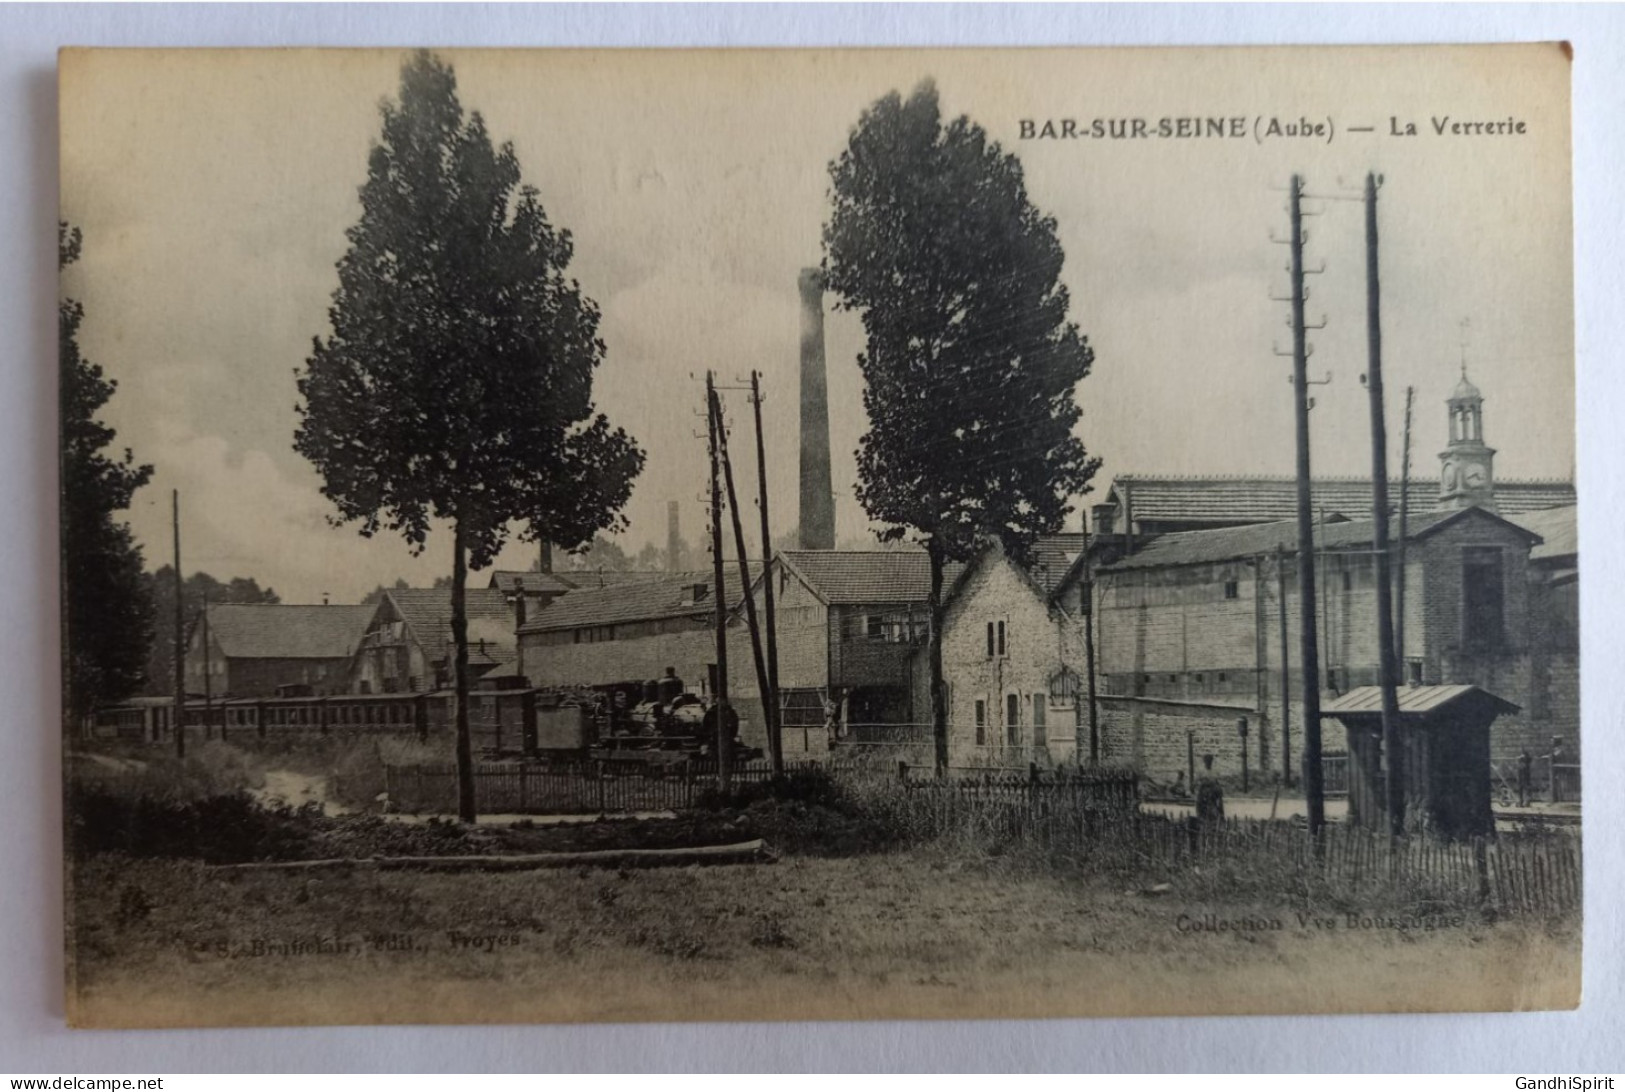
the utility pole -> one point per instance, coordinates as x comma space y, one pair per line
1387, 676
1089, 649
1404, 532
1313, 778
208, 690
1286, 669
776, 760
724, 741
770, 702
178, 718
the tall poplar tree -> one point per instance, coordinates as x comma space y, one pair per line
456, 382
106, 610
970, 360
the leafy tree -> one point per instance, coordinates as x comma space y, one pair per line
456, 381
197, 589
378, 593
603, 553
970, 361
107, 614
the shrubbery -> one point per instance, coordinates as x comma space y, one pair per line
220, 829
807, 812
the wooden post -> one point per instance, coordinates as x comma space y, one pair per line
177, 721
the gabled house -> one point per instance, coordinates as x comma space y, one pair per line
408, 645
1012, 660
255, 650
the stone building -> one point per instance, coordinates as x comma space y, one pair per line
255, 650
1012, 661
1193, 625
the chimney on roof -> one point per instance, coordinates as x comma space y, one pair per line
1105, 518
817, 494
519, 604
544, 562
674, 541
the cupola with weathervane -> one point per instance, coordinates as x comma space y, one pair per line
1467, 478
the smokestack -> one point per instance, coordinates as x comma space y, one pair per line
674, 541
544, 563
817, 494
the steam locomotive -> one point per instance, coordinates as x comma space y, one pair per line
654, 721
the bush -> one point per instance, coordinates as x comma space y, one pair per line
224, 829
805, 811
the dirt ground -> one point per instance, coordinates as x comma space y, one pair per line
879, 936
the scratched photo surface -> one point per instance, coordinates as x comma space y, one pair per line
843, 534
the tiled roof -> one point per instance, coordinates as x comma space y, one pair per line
1230, 543
902, 575
530, 580
282, 631
1055, 555
667, 596
1560, 534
603, 578
1267, 499
1412, 699
428, 612
563, 580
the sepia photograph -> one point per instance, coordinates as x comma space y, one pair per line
559, 536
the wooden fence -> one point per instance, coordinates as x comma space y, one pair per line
1088, 823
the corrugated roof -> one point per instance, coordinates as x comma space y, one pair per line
1412, 699
1230, 543
668, 596
1558, 529
1265, 499
428, 612
284, 631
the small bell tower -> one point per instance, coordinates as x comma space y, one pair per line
1467, 477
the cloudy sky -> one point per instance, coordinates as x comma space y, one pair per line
214, 188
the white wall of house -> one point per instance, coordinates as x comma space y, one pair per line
1000, 711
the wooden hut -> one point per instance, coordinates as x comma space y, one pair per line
1444, 751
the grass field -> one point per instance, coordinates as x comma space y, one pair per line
922, 934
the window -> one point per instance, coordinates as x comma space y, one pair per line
874, 627
1040, 736
1415, 671
1348, 580
1483, 596
990, 646
1001, 638
1232, 589
1012, 719
981, 722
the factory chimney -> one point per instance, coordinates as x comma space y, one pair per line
544, 562
817, 494
674, 541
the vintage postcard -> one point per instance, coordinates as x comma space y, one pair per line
817, 534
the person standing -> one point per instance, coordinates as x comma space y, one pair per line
1209, 794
